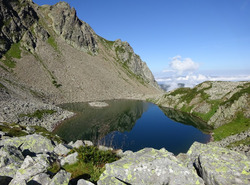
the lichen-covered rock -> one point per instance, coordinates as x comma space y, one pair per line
30, 144
77, 144
62, 149
149, 166
61, 178
31, 167
10, 160
70, 159
37, 144
217, 165
17, 182
41, 178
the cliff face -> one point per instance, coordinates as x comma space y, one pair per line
46, 52
217, 103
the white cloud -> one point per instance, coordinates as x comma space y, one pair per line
192, 80
180, 65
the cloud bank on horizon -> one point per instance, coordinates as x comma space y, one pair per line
183, 72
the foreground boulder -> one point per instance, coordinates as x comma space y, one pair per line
10, 160
62, 177
149, 166
30, 144
30, 168
217, 165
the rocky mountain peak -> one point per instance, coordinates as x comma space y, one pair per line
16, 17
49, 51
74, 31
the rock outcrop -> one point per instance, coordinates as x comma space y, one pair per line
217, 103
74, 31
16, 17
149, 166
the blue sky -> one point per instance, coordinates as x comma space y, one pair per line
175, 36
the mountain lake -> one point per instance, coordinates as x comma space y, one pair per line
133, 125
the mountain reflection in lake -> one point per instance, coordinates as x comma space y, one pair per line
132, 125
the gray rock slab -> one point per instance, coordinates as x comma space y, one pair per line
34, 143
61, 149
218, 165
88, 143
61, 178
41, 178
149, 166
78, 144
11, 160
70, 159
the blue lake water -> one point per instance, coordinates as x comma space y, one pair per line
133, 125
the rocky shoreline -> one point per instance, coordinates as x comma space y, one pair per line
28, 160
18, 111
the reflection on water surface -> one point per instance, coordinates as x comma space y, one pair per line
132, 125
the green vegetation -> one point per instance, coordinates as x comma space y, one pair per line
54, 168
2, 86
214, 106
91, 162
38, 114
54, 82
14, 52
51, 41
119, 49
44, 132
12, 130
107, 43
131, 74
237, 95
15, 130
238, 143
239, 124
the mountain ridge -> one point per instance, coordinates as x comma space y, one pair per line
56, 57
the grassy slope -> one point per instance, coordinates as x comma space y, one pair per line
239, 124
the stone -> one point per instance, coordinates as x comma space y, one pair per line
88, 143
17, 182
217, 165
119, 153
30, 129
84, 182
31, 167
70, 159
103, 148
10, 160
41, 178
149, 166
61, 178
30, 144
74, 31
78, 144
37, 144
61, 149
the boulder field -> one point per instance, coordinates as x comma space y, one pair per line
27, 159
